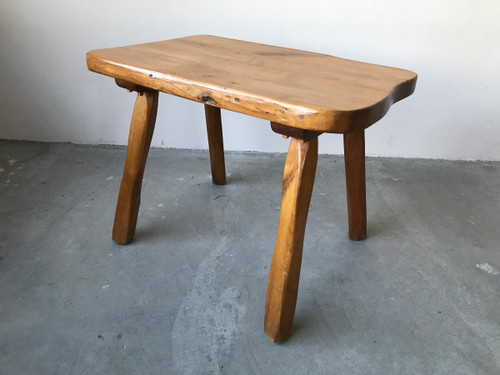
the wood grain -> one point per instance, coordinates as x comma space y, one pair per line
215, 144
130, 86
303, 94
290, 131
354, 158
291, 87
298, 181
139, 140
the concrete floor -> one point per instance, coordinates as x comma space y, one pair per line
420, 296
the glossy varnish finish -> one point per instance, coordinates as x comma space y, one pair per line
291, 87
303, 94
139, 140
282, 288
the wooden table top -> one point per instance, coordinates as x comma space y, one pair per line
302, 89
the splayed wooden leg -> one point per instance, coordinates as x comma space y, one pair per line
215, 144
354, 155
139, 140
298, 180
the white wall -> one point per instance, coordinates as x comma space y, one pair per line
47, 94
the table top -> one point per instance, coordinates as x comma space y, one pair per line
297, 88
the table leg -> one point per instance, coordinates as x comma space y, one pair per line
215, 144
354, 155
298, 180
139, 140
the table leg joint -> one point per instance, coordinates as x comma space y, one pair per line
290, 131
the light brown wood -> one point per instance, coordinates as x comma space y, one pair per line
289, 131
291, 87
354, 158
298, 180
130, 86
303, 94
215, 144
139, 140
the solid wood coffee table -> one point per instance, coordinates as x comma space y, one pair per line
302, 94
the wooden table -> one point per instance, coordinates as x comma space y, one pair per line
302, 94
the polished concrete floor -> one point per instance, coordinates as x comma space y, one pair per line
421, 295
